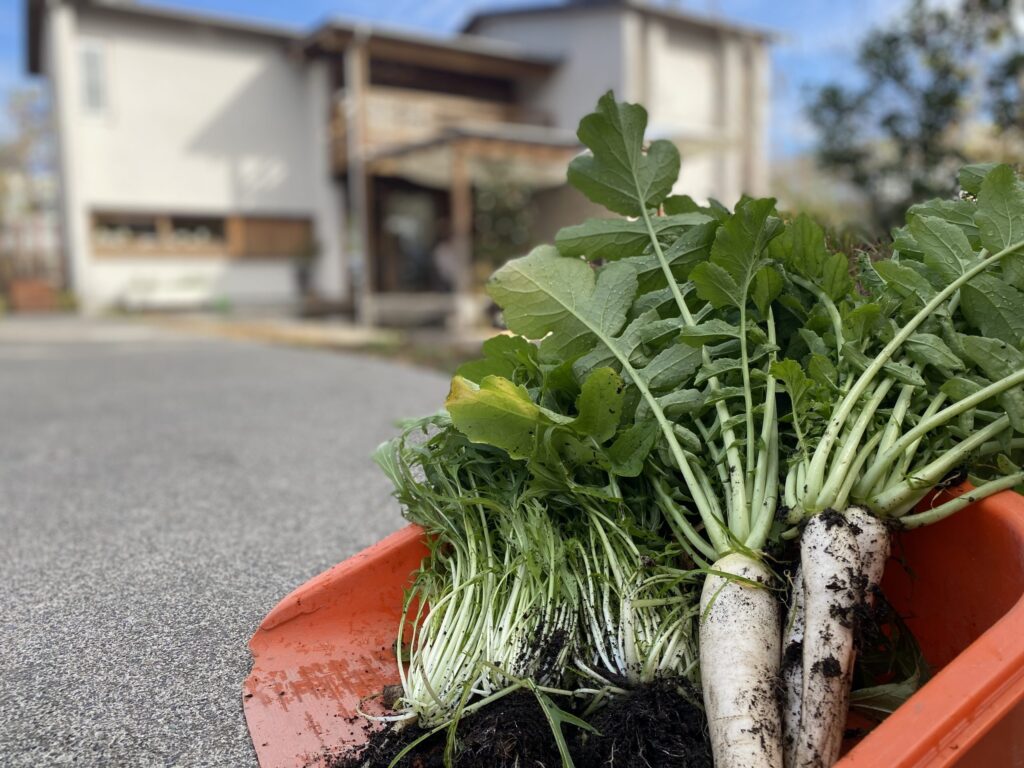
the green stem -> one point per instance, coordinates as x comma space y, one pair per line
790, 491
766, 513
886, 459
909, 454
670, 509
943, 511
996, 446
899, 413
824, 448
900, 498
736, 509
684, 310
748, 404
850, 445
851, 476
766, 486
830, 307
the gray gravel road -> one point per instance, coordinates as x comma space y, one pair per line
158, 495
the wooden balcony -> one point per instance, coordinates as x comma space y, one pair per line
397, 117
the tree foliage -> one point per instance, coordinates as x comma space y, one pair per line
900, 134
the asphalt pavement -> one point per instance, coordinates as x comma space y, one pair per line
158, 495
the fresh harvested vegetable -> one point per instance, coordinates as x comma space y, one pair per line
657, 343
792, 676
604, 485
522, 586
830, 564
878, 430
471, 599
740, 660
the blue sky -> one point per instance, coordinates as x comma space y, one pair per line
818, 38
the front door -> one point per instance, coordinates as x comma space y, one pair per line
411, 237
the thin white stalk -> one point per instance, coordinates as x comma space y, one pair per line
790, 492
899, 413
766, 487
678, 521
843, 497
997, 446
903, 465
748, 403
765, 514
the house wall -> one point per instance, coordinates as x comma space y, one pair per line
195, 121
592, 46
677, 75
704, 88
707, 89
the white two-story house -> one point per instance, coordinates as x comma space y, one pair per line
206, 161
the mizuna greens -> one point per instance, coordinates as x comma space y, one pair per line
688, 387
527, 580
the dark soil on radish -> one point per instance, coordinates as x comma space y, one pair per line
656, 727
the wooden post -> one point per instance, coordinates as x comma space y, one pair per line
357, 79
462, 233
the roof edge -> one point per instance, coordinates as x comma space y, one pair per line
471, 44
35, 19
466, 53
33, 36
471, 25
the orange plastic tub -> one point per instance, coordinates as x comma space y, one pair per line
960, 588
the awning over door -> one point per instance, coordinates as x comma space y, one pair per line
531, 156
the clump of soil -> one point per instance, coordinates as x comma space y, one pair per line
508, 733
827, 667
384, 745
512, 732
656, 727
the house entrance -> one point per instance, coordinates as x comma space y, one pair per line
413, 238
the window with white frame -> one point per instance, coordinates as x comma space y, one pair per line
93, 72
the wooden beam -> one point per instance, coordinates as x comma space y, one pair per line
462, 219
440, 54
234, 234
500, 149
357, 83
456, 60
357, 80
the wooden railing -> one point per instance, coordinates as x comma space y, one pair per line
396, 116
